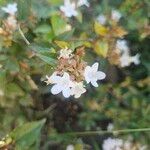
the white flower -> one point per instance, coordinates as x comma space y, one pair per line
70, 147
69, 9
10, 8
115, 15
122, 46
65, 53
77, 89
83, 2
126, 60
62, 84
12, 22
110, 127
136, 59
92, 74
101, 19
112, 144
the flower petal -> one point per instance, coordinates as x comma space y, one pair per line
86, 73
56, 89
94, 83
100, 75
66, 92
66, 76
95, 66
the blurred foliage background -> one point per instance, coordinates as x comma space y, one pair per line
31, 117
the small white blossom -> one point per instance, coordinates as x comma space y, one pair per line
83, 2
122, 46
77, 89
65, 53
112, 144
69, 9
92, 74
62, 84
70, 147
101, 19
115, 15
110, 127
126, 60
10, 9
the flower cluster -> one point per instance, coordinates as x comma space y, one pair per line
119, 144
115, 16
71, 73
10, 23
118, 51
125, 58
70, 8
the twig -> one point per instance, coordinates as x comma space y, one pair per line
85, 133
23, 36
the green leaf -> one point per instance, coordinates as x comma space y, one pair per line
66, 35
42, 9
59, 25
44, 28
62, 44
13, 90
101, 48
47, 59
24, 7
28, 135
40, 49
79, 17
100, 29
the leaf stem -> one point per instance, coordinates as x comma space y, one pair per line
84, 133
23, 36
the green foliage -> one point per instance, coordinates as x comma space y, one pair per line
29, 54
27, 136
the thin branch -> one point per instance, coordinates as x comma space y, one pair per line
85, 133
23, 36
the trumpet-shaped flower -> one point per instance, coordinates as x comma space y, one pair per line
83, 2
65, 53
62, 84
101, 19
115, 15
10, 8
69, 9
92, 74
77, 89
